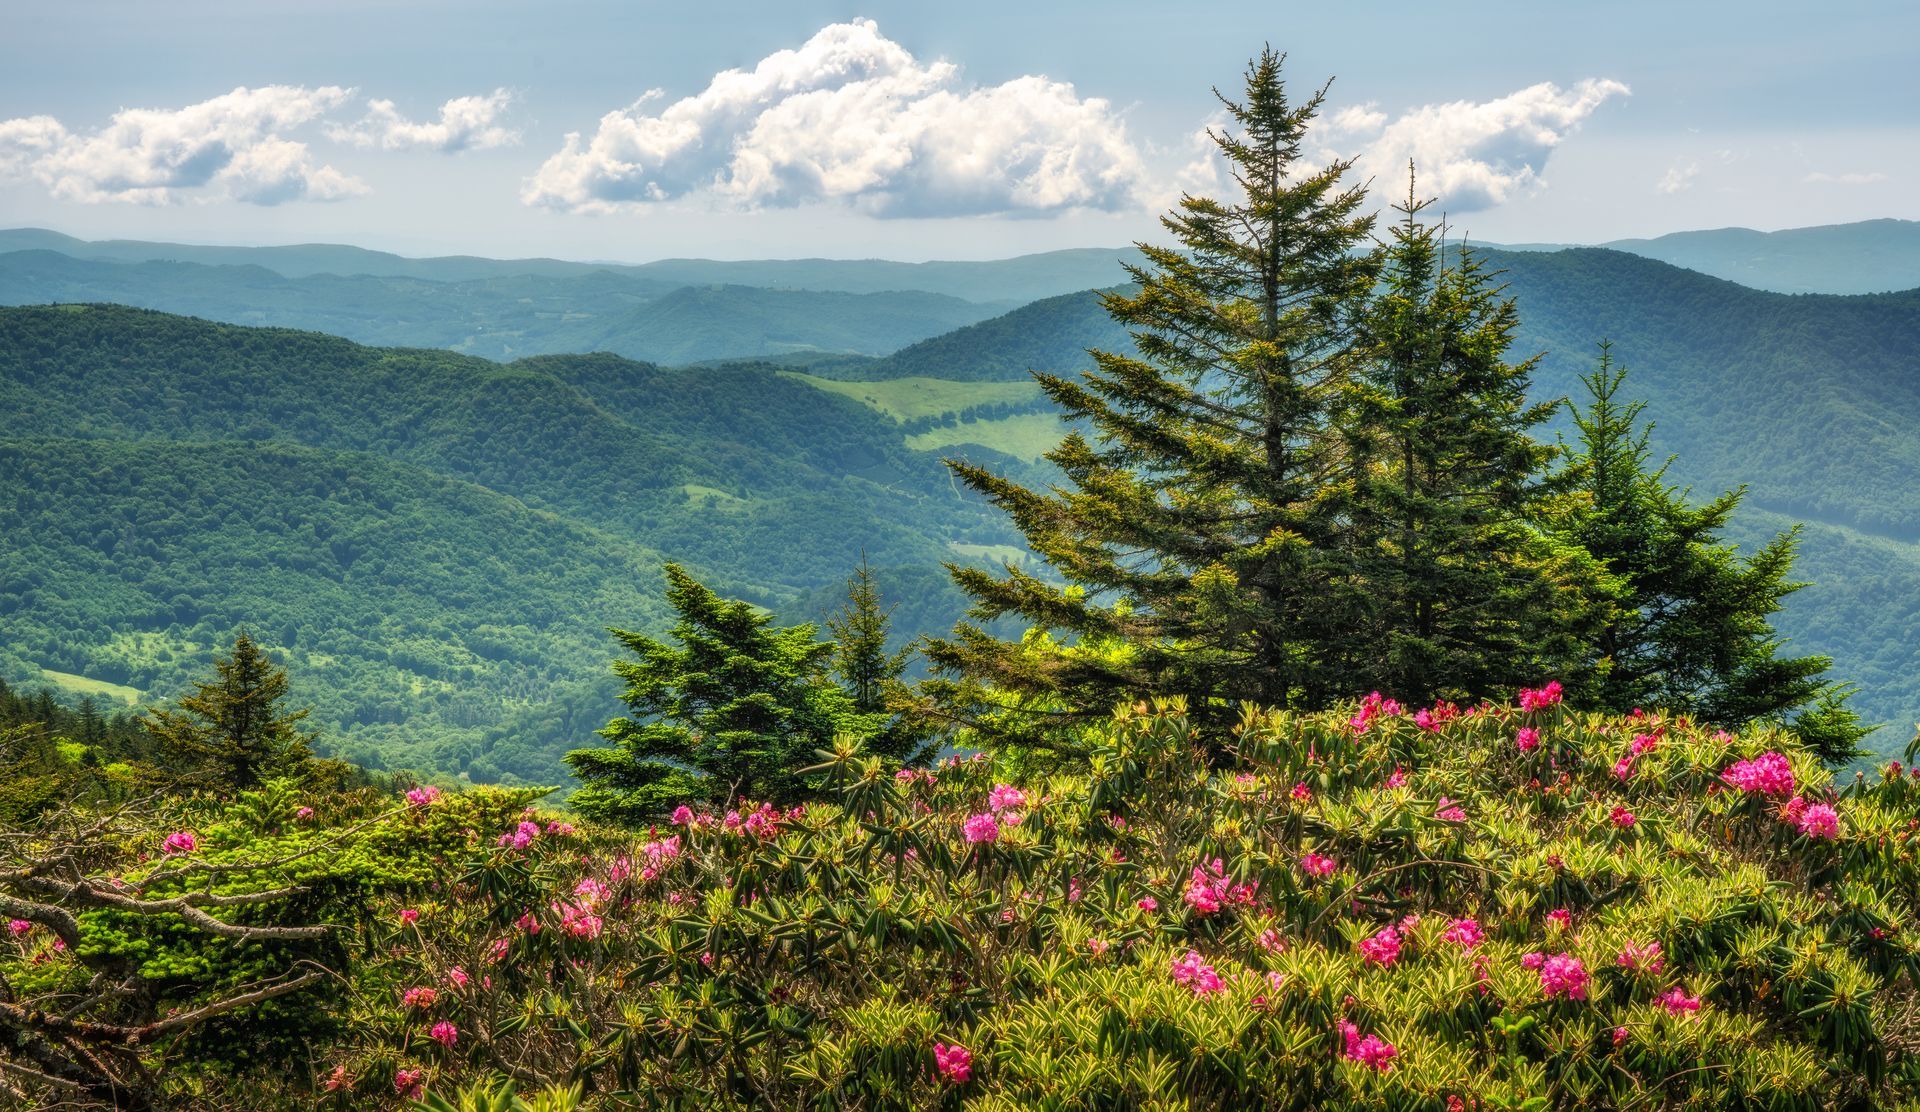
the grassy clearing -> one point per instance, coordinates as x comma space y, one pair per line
1027, 436
905, 399
83, 685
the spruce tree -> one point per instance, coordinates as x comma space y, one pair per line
1196, 527
1460, 594
1693, 632
870, 673
735, 710
233, 731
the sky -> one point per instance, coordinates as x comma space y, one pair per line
631, 130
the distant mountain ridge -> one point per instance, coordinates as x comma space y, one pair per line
1869, 256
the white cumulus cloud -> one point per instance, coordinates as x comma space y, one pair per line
852, 116
1678, 178
465, 123
231, 145
1472, 154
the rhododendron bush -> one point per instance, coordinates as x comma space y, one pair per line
1174, 926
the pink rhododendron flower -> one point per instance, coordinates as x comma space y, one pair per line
1820, 821
1383, 948
1436, 716
522, 836
1398, 779
683, 815
1527, 740
408, 917
1541, 698
1622, 818
498, 951
1449, 811
1623, 768
1768, 774
408, 1083
339, 1081
578, 920
18, 927
1371, 708
457, 977
1619, 1036
1272, 941
1301, 793
1147, 903
590, 891
1642, 957
181, 841
1006, 797
445, 1033
1564, 975
1098, 947
1208, 892
422, 797
1465, 932
1199, 977
420, 996
1315, 865
982, 828
1677, 1002
954, 1062
1370, 1051
1643, 743
1560, 917
303, 814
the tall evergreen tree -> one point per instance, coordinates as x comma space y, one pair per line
869, 672
233, 730
735, 710
1197, 529
1462, 595
1693, 633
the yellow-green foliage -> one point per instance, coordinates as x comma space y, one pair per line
815, 958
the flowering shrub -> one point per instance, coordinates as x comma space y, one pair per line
1154, 931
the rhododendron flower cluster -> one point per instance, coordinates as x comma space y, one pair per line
1532, 699
422, 797
408, 1083
444, 1033
761, 822
1622, 818
1819, 821
1642, 957
1677, 1002
658, 854
420, 996
1371, 708
1436, 716
1527, 740
955, 1063
18, 927
1560, 975
1314, 864
1370, 1051
578, 919
1301, 793
181, 841
1466, 933
521, 837
981, 828
1383, 948
1005, 797
1197, 975
1207, 892
1768, 774
1449, 811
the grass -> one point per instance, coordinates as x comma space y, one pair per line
995, 553
905, 399
714, 497
1027, 436
83, 685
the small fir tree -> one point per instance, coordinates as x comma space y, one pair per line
1693, 633
869, 672
736, 709
233, 731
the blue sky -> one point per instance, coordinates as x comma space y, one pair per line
912, 130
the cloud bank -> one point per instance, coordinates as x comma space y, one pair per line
465, 123
852, 117
1473, 155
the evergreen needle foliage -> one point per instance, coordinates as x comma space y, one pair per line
233, 731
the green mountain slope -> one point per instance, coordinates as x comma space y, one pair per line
503, 317
420, 614
1871, 256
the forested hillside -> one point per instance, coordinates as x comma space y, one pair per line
772, 487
